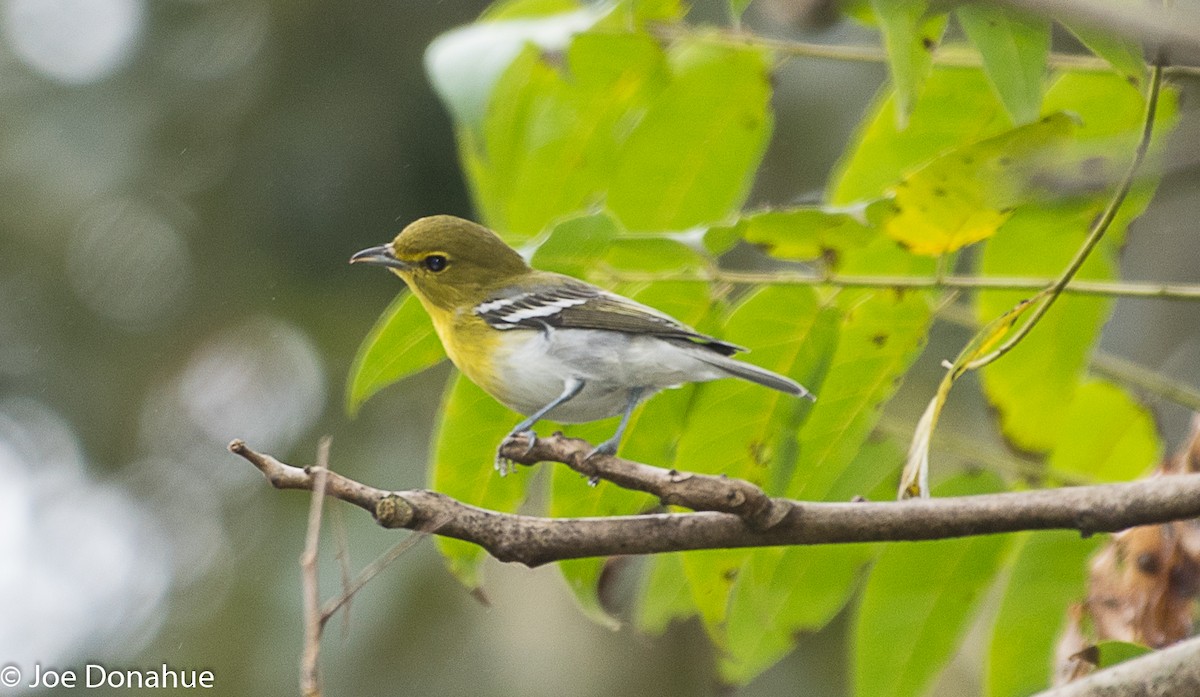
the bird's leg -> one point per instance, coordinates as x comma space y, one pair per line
572, 388
609, 447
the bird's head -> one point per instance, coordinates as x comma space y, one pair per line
447, 261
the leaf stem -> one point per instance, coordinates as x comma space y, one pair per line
1099, 227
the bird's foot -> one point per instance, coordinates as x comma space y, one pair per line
504, 465
608, 447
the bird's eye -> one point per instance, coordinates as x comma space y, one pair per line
435, 262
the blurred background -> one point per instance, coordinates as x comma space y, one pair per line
183, 183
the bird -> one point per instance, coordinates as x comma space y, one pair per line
546, 345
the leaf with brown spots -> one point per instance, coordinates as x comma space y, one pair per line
965, 195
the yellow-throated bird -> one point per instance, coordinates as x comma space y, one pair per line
548, 345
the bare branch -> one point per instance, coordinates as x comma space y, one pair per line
699, 492
1172, 671
534, 541
310, 682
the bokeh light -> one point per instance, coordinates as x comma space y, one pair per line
261, 380
73, 41
127, 262
85, 571
225, 39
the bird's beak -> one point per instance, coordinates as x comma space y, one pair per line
381, 255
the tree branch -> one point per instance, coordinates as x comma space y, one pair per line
1172, 671
954, 56
534, 541
1115, 289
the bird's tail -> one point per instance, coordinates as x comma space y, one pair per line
761, 376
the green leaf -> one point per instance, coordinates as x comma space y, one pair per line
656, 253
779, 323
1124, 56
574, 244
1030, 385
527, 9
637, 13
919, 601
956, 107
965, 195
1014, 48
804, 234
401, 343
464, 451
914, 479
572, 496
1047, 576
553, 133
464, 64
881, 335
1113, 652
664, 595
1106, 435
782, 592
583, 578
666, 139
691, 158
737, 8
910, 35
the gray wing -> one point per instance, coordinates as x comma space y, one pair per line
578, 305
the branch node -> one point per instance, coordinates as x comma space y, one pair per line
393, 511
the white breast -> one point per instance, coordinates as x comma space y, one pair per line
537, 364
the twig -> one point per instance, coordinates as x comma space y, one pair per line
369, 572
1099, 227
1108, 365
310, 682
951, 56
1174, 670
1167, 31
1147, 380
534, 541
342, 554
1129, 289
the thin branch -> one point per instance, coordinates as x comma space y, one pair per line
369, 572
1130, 289
970, 450
1174, 670
1099, 227
310, 682
1146, 380
342, 554
1170, 32
1107, 365
534, 541
950, 56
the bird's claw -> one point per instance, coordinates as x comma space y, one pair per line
608, 447
503, 464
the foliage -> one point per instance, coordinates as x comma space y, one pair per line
613, 155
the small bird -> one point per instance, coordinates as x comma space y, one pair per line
547, 345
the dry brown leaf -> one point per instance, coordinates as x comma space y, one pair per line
1142, 586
